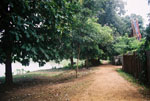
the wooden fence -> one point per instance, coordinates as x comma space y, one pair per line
148, 64
133, 65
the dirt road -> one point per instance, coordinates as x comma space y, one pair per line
108, 85
102, 83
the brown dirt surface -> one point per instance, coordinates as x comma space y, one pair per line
108, 85
101, 83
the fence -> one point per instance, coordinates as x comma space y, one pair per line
133, 65
148, 64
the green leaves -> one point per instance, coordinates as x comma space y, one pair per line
86, 33
110, 15
33, 29
125, 44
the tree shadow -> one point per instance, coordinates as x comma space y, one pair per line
25, 82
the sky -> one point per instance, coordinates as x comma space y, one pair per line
139, 7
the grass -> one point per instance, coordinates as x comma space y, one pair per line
131, 79
44, 73
32, 75
145, 89
127, 76
41, 77
47, 88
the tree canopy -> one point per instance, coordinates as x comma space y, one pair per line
32, 29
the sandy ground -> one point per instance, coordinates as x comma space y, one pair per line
108, 85
100, 84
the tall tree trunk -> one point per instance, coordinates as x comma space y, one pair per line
87, 63
71, 61
78, 61
71, 58
8, 70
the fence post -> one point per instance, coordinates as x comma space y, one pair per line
148, 64
123, 64
133, 65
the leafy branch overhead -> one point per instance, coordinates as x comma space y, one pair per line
32, 29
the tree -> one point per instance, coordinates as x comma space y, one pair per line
100, 36
111, 15
147, 42
86, 34
71, 44
31, 29
80, 32
125, 44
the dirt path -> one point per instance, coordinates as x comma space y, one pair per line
108, 85
102, 83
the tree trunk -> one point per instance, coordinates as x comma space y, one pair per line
78, 61
71, 61
87, 63
8, 70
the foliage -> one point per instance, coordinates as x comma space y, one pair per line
145, 46
42, 30
143, 57
32, 29
125, 44
111, 14
86, 33
112, 9
147, 43
99, 36
47, 30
